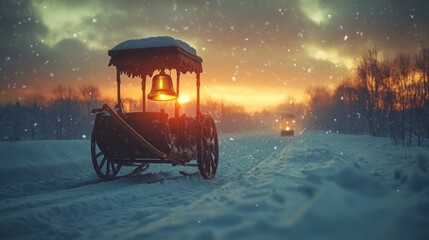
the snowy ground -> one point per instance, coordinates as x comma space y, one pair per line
314, 186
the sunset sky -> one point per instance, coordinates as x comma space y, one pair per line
255, 53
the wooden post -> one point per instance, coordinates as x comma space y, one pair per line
177, 105
118, 81
144, 93
198, 96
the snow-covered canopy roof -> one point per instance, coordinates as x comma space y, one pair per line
141, 57
154, 42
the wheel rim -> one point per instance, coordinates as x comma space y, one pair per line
103, 167
208, 154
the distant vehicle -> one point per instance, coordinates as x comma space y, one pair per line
136, 139
287, 128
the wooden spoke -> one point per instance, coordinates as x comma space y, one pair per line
208, 148
103, 166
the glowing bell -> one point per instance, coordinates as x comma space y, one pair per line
162, 88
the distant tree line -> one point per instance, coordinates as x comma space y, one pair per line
231, 117
67, 115
384, 98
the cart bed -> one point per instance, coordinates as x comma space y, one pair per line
116, 143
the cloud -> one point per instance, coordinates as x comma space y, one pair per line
330, 55
67, 19
272, 44
315, 11
30, 65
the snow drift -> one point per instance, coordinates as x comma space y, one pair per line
313, 186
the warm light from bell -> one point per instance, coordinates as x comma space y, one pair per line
184, 99
163, 97
162, 88
287, 128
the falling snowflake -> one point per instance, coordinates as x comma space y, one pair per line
174, 6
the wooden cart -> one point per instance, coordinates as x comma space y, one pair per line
124, 143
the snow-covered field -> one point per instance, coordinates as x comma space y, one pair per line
314, 186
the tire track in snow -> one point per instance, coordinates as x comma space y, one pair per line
254, 189
128, 200
252, 151
247, 148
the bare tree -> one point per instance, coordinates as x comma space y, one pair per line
422, 70
319, 107
90, 95
59, 92
402, 81
371, 77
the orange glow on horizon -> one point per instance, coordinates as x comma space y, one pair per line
184, 99
252, 98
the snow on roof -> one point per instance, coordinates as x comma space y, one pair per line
153, 42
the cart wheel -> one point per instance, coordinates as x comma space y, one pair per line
104, 168
208, 148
